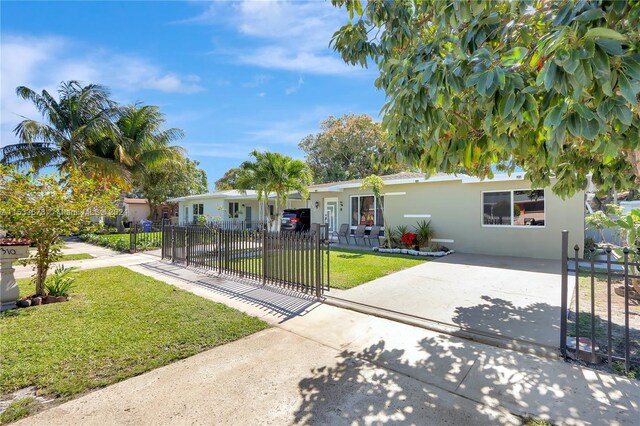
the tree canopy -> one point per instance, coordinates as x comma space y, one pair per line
549, 87
47, 206
346, 148
228, 180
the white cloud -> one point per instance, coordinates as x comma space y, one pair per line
289, 35
294, 88
261, 94
293, 129
258, 80
220, 150
43, 62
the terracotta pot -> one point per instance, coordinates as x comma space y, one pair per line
36, 301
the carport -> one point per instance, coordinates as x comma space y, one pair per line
512, 297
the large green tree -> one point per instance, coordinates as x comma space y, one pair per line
75, 129
347, 147
548, 86
163, 183
228, 180
274, 173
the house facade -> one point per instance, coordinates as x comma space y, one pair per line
231, 204
137, 209
499, 216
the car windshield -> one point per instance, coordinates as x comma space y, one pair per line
288, 215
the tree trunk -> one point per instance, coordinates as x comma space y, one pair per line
634, 158
41, 276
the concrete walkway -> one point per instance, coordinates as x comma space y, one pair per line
507, 296
102, 257
325, 365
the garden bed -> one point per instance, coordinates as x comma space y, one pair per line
410, 252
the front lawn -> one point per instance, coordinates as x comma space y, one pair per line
350, 268
63, 258
118, 324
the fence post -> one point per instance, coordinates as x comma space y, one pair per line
133, 233
186, 245
565, 288
264, 257
318, 265
173, 243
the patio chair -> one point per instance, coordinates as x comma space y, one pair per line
344, 232
359, 234
374, 235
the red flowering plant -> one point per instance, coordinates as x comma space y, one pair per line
408, 239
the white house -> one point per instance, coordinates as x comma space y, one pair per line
230, 204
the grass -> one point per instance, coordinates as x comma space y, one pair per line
118, 324
65, 257
18, 409
350, 268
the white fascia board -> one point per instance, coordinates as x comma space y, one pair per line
496, 178
425, 216
390, 194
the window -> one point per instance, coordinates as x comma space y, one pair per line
233, 210
198, 210
513, 208
366, 211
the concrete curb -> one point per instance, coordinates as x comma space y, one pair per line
495, 340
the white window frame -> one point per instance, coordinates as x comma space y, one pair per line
511, 192
375, 209
200, 208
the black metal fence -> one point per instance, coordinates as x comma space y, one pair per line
601, 312
146, 236
297, 261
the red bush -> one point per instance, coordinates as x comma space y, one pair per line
408, 239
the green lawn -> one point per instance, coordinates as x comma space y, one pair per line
65, 257
350, 268
117, 324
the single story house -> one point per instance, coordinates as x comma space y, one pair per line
499, 216
230, 204
137, 209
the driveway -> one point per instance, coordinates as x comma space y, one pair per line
509, 296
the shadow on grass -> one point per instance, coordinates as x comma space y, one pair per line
350, 256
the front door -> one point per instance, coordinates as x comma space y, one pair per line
331, 214
247, 216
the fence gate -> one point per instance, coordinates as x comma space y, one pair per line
145, 236
600, 304
296, 261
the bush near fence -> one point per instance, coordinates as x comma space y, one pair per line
120, 242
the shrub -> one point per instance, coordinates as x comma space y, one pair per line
408, 239
424, 232
60, 282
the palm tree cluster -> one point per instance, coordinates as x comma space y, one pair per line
274, 173
87, 131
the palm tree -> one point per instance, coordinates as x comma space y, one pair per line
144, 147
272, 172
73, 136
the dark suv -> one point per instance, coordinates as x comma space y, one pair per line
295, 220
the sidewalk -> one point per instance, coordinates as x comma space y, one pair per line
325, 365
102, 257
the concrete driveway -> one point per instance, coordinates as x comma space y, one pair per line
512, 297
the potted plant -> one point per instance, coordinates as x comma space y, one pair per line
629, 224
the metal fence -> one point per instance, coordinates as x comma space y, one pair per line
297, 261
601, 313
146, 237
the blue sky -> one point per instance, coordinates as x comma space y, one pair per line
234, 75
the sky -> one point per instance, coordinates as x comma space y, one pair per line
234, 75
